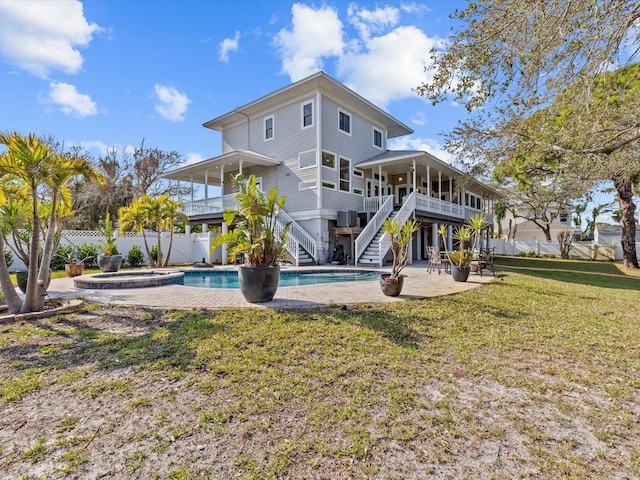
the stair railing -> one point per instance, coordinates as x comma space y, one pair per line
404, 213
297, 237
368, 232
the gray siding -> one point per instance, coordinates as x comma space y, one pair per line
356, 147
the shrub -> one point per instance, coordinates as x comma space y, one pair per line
8, 257
154, 254
135, 258
64, 254
89, 252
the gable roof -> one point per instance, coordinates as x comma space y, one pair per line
323, 83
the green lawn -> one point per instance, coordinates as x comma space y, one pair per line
536, 375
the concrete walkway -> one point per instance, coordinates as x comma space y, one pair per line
418, 284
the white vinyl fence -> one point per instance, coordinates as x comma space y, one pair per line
185, 249
579, 250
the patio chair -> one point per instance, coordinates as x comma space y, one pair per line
437, 260
485, 260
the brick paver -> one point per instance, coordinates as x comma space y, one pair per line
418, 284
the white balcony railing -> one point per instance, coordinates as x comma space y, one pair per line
435, 205
209, 205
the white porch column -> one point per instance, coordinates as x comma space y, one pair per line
379, 182
222, 180
435, 242
415, 187
450, 190
439, 185
205, 228
449, 237
191, 188
428, 181
206, 186
224, 245
187, 229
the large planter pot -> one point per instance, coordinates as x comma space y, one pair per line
258, 284
74, 269
460, 274
391, 288
109, 263
22, 277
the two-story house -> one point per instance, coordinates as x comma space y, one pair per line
325, 148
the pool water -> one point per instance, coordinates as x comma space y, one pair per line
229, 278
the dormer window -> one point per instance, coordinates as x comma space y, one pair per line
307, 115
377, 138
268, 128
345, 122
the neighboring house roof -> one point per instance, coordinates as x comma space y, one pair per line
530, 226
606, 230
318, 81
212, 166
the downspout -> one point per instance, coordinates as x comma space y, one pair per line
319, 151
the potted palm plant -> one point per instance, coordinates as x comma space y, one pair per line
73, 262
257, 237
110, 260
466, 234
400, 234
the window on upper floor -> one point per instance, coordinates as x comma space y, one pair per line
307, 115
268, 128
377, 138
329, 159
345, 174
307, 159
345, 122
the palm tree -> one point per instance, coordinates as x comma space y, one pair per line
31, 166
156, 213
63, 169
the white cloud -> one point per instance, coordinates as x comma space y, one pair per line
191, 158
227, 46
171, 104
102, 149
414, 7
70, 101
41, 36
316, 34
383, 62
372, 21
429, 145
390, 67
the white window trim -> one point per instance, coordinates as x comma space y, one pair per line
349, 133
313, 112
310, 166
264, 128
358, 173
373, 138
350, 174
307, 185
329, 185
335, 161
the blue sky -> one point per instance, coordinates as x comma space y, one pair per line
110, 73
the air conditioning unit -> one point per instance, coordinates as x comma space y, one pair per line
347, 219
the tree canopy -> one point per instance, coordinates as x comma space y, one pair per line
550, 82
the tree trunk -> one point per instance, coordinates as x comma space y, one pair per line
31, 297
47, 252
628, 221
11, 297
547, 232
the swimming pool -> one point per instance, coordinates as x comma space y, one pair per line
229, 278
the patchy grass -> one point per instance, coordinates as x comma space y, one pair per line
532, 376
